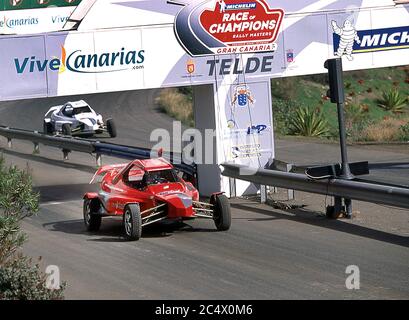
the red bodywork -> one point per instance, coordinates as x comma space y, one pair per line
129, 183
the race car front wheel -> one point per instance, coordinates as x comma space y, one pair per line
132, 222
47, 128
111, 128
66, 129
92, 220
221, 213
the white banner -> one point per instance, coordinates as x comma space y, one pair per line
76, 62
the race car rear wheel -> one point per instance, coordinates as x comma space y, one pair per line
47, 128
132, 222
92, 220
111, 128
66, 129
221, 212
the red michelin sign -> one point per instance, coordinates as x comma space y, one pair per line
228, 26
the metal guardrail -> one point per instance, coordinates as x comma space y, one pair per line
64, 143
68, 144
351, 189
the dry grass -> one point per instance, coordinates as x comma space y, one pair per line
176, 105
386, 130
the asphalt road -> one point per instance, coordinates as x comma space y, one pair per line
267, 254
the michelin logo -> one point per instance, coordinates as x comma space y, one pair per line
348, 35
347, 40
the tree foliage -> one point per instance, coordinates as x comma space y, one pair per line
20, 278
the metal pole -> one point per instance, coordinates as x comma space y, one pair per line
346, 172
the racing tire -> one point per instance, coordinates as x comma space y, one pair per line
221, 213
66, 129
47, 128
132, 222
111, 128
92, 221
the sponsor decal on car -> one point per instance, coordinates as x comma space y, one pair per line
82, 62
348, 40
228, 26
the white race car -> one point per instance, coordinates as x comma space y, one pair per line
76, 117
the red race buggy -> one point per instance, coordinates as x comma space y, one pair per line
143, 192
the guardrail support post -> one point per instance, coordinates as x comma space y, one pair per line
36, 148
348, 208
65, 154
99, 159
263, 193
333, 212
9, 144
232, 184
290, 192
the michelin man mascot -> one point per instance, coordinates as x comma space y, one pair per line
348, 35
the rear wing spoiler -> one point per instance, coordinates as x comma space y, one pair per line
108, 168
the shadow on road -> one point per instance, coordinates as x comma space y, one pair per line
311, 218
66, 192
112, 230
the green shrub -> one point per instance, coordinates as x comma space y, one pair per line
282, 111
17, 201
284, 88
354, 113
404, 132
308, 122
392, 101
178, 104
20, 279
355, 120
388, 129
